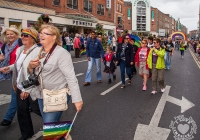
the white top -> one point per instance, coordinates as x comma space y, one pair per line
67, 40
19, 63
149, 45
114, 41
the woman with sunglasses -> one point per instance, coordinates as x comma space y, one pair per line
124, 57
19, 70
141, 62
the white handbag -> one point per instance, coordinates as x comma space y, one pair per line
54, 101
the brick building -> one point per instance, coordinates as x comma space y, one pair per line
127, 12
119, 16
71, 15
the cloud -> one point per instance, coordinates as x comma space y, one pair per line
186, 10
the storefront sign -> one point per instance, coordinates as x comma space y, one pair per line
82, 23
108, 4
129, 14
161, 32
152, 15
146, 1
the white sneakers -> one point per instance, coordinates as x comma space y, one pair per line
154, 92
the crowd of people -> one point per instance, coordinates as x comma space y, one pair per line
37, 71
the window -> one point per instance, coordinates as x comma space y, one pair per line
56, 2
120, 8
100, 9
88, 6
109, 12
72, 4
141, 16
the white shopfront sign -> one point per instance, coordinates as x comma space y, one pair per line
108, 4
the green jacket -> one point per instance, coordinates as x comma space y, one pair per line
182, 46
160, 64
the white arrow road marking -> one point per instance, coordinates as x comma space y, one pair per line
79, 74
184, 103
36, 136
4, 99
80, 61
111, 88
152, 131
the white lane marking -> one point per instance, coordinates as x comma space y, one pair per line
80, 61
79, 74
152, 131
111, 88
4, 99
36, 136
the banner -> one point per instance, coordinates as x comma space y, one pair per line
108, 4
129, 13
152, 15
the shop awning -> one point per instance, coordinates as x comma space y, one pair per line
25, 7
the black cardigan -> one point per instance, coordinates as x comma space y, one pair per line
128, 54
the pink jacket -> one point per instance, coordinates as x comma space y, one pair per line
77, 43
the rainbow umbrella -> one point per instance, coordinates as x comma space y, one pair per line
137, 40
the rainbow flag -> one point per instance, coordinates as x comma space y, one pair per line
138, 43
83, 52
56, 130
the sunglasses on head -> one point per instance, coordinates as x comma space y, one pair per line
25, 35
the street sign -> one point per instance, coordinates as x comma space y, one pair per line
161, 32
152, 131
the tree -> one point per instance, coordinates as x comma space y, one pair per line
43, 19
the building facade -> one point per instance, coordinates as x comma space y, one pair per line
141, 15
119, 16
127, 12
69, 15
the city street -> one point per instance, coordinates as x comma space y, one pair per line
112, 113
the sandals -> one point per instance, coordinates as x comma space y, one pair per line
129, 82
123, 86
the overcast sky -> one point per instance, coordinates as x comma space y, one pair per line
186, 10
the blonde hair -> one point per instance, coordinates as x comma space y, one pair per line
145, 40
54, 31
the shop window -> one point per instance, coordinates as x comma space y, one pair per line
88, 6
72, 4
56, 2
100, 9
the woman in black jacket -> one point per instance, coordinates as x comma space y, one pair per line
125, 59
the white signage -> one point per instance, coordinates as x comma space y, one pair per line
161, 32
108, 4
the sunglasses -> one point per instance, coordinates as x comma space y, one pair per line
25, 35
143, 43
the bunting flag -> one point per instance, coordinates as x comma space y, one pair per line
56, 130
83, 52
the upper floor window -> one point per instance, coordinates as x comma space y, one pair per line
72, 4
88, 6
120, 8
100, 9
56, 2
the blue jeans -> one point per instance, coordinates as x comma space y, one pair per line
167, 60
182, 52
122, 70
97, 62
10, 114
68, 47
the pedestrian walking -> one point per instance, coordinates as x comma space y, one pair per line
8, 57
57, 73
125, 59
77, 45
114, 43
135, 48
19, 69
68, 43
109, 61
169, 51
182, 48
95, 53
195, 46
141, 61
156, 63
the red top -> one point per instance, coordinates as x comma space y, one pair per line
137, 57
77, 43
13, 55
120, 39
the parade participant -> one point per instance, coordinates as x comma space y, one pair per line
68, 43
141, 62
63, 40
125, 58
169, 49
150, 42
156, 63
114, 43
9, 56
95, 52
135, 48
77, 44
19, 69
57, 72
109, 61
182, 48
